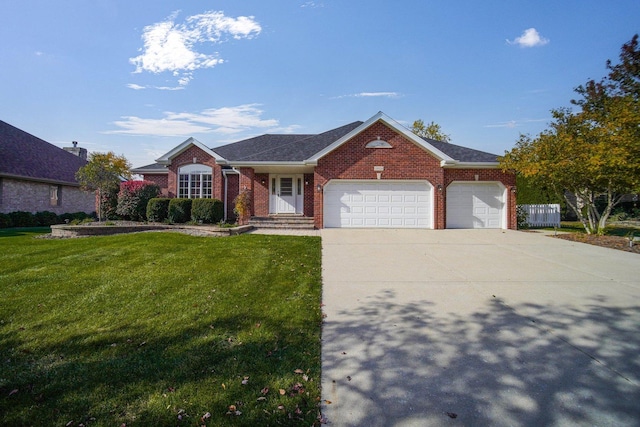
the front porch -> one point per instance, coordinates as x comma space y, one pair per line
282, 222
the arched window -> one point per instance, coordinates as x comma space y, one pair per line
194, 182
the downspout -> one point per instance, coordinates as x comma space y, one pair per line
226, 189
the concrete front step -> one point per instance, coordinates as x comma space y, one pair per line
283, 222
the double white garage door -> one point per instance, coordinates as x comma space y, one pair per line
409, 204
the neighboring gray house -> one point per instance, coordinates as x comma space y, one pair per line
38, 176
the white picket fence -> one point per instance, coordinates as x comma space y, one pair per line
542, 215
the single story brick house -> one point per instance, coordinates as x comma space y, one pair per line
368, 174
37, 176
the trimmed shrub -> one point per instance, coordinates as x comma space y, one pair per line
179, 210
46, 218
109, 203
23, 219
134, 197
158, 209
209, 211
5, 221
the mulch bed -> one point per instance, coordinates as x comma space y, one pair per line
613, 242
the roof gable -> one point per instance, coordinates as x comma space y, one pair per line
168, 157
381, 117
23, 155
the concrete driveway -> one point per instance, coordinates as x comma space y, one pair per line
475, 328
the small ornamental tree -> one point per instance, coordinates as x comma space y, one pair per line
134, 197
242, 207
102, 173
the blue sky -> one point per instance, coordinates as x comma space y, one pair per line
139, 77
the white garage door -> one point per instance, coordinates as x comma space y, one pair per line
378, 204
475, 205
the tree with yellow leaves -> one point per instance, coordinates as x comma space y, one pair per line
590, 157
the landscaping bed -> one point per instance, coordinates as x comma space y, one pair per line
613, 242
125, 227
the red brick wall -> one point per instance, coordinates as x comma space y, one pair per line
162, 180
405, 160
261, 194
233, 187
185, 158
309, 190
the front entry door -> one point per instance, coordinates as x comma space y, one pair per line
285, 195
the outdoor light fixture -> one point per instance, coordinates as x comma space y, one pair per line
262, 181
306, 182
319, 187
439, 187
513, 190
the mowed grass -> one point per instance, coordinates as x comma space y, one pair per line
159, 329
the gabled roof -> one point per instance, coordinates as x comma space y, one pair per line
380, 117
166, 158
307, 149
282, 148
23, 155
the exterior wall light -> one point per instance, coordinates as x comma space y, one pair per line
439, 187
319, 187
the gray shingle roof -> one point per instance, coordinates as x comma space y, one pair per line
24, 155
282, 148
463, 154
300, 147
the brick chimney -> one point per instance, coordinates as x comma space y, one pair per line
80, 152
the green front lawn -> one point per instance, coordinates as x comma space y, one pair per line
159, 329
611, 230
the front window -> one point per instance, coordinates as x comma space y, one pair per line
195, 182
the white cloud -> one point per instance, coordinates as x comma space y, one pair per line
135, 86
371, 95
511, 124
312, 4
529, 38
226, 120
174, 47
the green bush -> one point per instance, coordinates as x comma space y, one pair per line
46, 218
158, 209
180, 210
23, 219
522, 218
134, 197
209, 211
5, 221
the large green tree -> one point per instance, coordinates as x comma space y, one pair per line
103, 173
431, 131
591, 157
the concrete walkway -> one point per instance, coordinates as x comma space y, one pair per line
475, 328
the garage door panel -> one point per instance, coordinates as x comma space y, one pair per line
378, 204
475, 205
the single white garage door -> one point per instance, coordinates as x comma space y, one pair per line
475, 205
378, 204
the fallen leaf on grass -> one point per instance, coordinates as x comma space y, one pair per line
12, 392
283, 391
245, 381
265, 390
261, 398
298, 371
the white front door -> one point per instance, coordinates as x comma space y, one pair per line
286, 194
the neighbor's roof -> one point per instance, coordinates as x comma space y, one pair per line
23, 155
